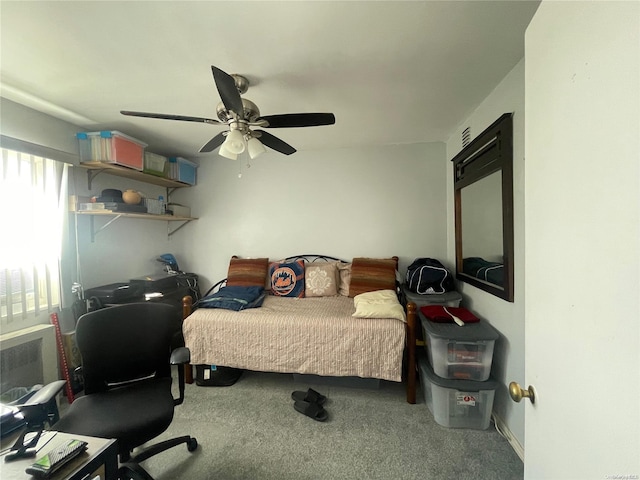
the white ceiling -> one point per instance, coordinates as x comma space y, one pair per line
392, 72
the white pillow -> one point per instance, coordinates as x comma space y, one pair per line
378, 304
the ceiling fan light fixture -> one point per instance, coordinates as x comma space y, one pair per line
225, 152
234, 142
240, 115
255, 147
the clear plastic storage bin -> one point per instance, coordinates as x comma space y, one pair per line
457, 403
111, 147
460, 352
182, 170
155, 164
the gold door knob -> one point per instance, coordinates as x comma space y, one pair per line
518, 393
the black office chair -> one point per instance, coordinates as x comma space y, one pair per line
126, 365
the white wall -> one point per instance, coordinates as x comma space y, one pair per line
377, 201
23, 123
508, 318
582, 237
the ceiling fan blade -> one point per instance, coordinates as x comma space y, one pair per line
228, 91
289, 120
214, 143
275, 143
164, 116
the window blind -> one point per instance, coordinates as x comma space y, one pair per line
33, 192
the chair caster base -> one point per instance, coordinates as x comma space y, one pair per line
192, 444
133, 471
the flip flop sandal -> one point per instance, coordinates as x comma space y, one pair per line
311, 410
310, 396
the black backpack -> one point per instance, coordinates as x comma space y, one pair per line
428, 275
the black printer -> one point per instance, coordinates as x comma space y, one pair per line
161, 287
113, 293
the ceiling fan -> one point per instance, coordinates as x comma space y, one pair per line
240, 114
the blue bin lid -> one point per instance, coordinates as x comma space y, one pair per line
102, 133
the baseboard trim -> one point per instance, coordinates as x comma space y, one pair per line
513, 441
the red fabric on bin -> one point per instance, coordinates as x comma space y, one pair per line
437, 313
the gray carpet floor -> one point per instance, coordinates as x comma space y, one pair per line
251, 431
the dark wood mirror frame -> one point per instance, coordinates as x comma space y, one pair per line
490, 152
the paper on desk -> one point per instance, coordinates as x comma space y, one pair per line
45, 438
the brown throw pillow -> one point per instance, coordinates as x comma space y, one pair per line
371, 274
247, 272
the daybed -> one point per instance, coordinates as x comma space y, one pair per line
343, 324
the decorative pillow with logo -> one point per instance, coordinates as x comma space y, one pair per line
287, 279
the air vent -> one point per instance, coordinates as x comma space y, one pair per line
466, 137
21, 365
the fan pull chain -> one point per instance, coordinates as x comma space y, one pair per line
248, 165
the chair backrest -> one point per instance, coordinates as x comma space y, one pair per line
126, 342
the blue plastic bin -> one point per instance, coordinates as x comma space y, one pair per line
183, 170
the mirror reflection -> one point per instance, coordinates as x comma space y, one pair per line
482, 246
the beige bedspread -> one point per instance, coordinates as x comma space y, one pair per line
309, 335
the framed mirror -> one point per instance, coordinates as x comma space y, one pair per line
483, 185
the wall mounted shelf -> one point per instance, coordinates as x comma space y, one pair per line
140, 216
95, 168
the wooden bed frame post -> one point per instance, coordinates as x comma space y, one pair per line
411, 354
187, 306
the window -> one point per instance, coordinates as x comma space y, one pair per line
33, 192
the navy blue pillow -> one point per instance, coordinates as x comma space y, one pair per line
234, 298
287, 279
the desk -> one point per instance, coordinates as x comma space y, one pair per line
100, 457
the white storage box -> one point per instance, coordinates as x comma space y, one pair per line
155, 164
457, 403
460, 352
179, 210
448, 299
111, 147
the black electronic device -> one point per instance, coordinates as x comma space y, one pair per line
114, 293
155, 282
125, 207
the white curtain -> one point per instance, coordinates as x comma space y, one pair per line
33, 199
